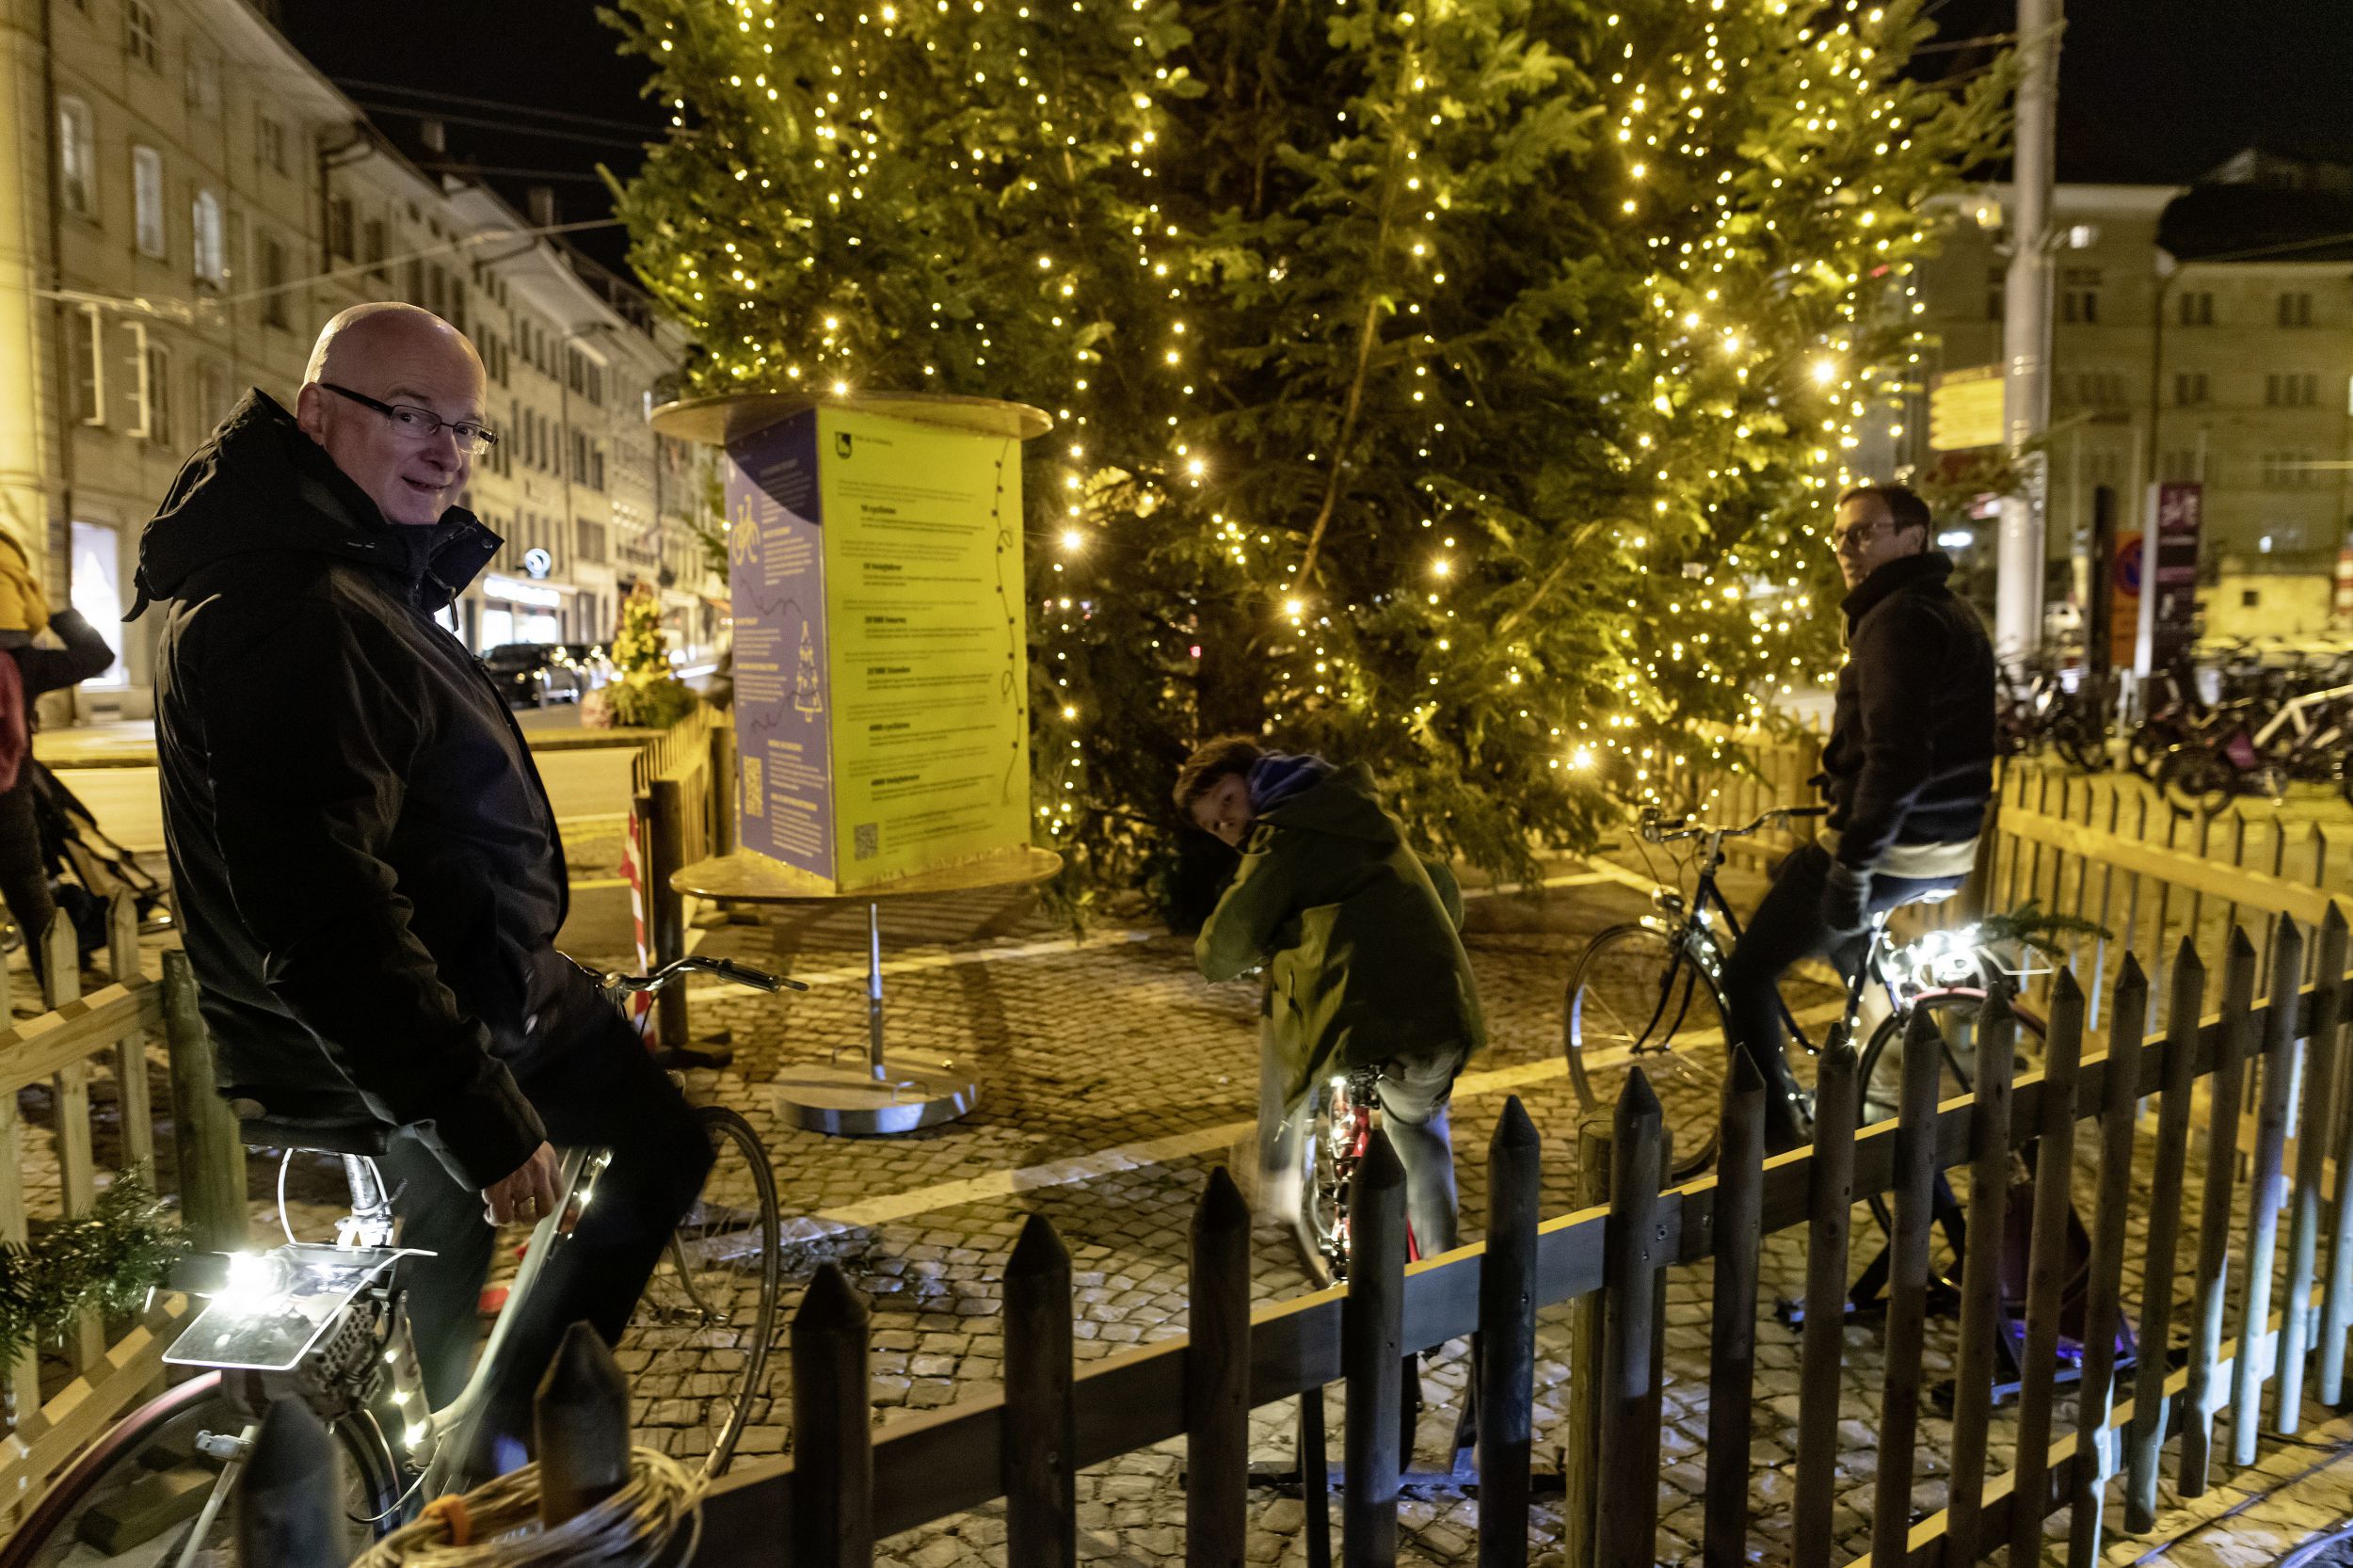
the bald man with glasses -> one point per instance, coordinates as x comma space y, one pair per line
369, 873
1907, 773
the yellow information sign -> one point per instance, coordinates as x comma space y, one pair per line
880, 663
1965, 408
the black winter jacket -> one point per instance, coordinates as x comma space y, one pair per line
367, 866
1910, 753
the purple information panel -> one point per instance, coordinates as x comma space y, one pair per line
776, 580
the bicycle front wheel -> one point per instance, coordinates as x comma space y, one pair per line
1957, 1016
697, 1348
1637, 999
139, 1494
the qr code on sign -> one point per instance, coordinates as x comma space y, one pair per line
865, 840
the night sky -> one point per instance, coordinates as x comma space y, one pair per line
2150, 90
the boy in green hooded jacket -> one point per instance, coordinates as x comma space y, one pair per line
1361, 940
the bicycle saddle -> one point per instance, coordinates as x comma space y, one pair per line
258, 1128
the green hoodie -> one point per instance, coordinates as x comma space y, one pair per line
1361, 937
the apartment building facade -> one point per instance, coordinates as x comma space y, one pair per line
184, 200
2198, 332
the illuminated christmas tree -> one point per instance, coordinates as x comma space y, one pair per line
645, 692
1455, 385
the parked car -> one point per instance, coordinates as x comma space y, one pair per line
532, 675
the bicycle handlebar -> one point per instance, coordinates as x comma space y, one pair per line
1658, 830
726, 968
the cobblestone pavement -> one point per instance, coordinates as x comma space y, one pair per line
1114, 1080
1114, 1045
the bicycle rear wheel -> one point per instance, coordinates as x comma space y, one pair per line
2197, 780
137, 1495
1957, 1014
1637, 999
697, 1348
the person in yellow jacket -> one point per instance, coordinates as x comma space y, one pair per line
25, 615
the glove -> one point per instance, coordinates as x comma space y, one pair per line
1847, 898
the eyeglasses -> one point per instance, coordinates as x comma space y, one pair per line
423, 425
1857, 538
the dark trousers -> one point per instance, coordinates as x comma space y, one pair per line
1788, 928
24, 875
602, 1092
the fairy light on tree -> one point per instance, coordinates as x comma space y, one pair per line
1456, 386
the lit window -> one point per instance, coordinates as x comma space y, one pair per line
147, 184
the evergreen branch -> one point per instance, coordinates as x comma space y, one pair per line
1366, 336
106, 1260
1553, 579
2031, 926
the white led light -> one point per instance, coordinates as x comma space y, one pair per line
255, 1284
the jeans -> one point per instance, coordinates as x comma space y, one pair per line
24, 870
1786, 928
600, 1092
1412, 1092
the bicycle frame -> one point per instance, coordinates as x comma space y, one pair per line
1695, 937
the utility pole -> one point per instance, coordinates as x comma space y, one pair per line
2027, 332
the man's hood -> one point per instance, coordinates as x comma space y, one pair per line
1344, 805
260, 484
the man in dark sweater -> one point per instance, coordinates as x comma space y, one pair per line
1907, 773
368, 866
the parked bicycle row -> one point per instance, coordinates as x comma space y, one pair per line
2209, 732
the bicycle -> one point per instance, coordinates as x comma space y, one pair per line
2304, 741
1645, 993
1338, 1130
326, 1324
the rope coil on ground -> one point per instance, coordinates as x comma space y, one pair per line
497, 1524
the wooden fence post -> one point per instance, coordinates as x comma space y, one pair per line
833, 1454
1580, 1447
2046, 1268
2210, 1299
1907, 1286
1981, 1271
211, 1157
2322, 1068
1040, 1418
1217, 1380
581, 1417
665, 909
1626, 1517
288, 1511
1732, 1328
131, 1095
2336, 1311
77, 1172
22, 1376
1829, 1196
2165, 1231
1507, 1336
723, 773
2104, 1314
2264, 1197
1372, 1340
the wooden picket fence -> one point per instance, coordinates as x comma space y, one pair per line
2287, 1310
90, 1055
